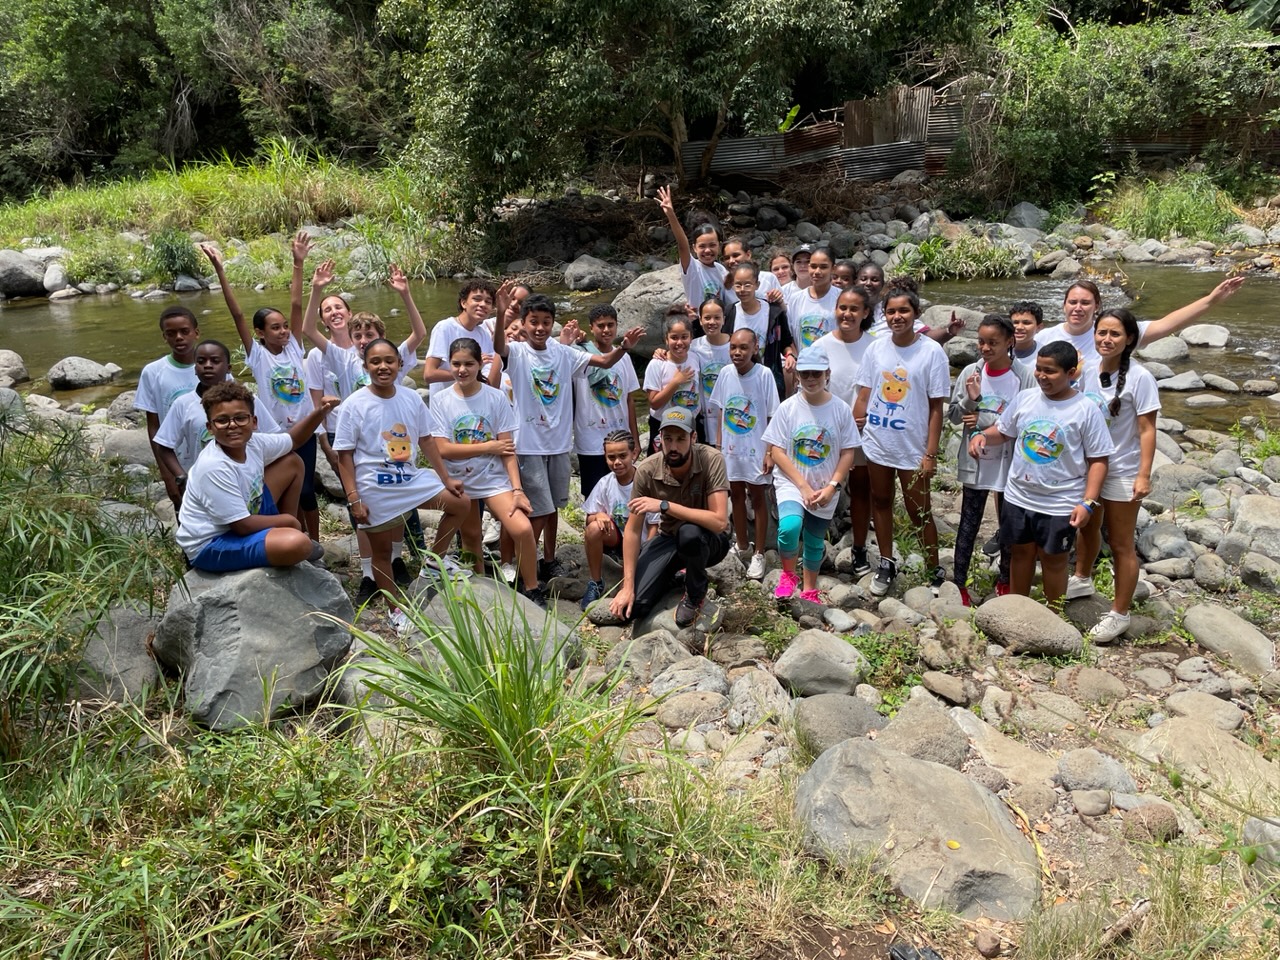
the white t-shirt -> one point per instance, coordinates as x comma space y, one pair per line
1083, 342
880, 326
282, 381
758, 321
611, 497
701, 282
221, 491
383, 435
600, 408
319, 376
902, 380
689, 395
742, 406
1052, 439
161, 383
811, 318
185, 429
711, 359
846, 360
346, 366
813, 439
477, 419
444, 333
998, 394
542, 384
1140, 396
767, 282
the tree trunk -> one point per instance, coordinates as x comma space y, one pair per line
709, 152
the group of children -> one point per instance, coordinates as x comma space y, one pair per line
810, 379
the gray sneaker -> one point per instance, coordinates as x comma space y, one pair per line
885, 575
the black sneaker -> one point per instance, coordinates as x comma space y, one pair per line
537, 594
549, 570
400, 573
992, 547
885, 575
938, 579
687, 611
861, 565
368, 589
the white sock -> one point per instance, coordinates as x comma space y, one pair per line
366, 567
397, 547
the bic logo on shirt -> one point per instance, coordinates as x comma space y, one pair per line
893, 390
810, 445
738, 416
545, 387
286, 385
1041, 442
472, 428
608, 391
399, 451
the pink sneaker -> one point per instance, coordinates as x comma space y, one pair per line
787, 584
810, 595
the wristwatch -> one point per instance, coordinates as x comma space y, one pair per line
664, 506
180, 480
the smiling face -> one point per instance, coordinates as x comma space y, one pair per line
678, 340
820, 267
181, 335
620, 459
745, 285
1025, 328
706, 248
334, 312
780, 267
1053, 380
800, 268
993, 345
712, 317
475, 307
232, 424
1110, 339
733, 253
275, 331
537, 328
871, 279
1078, 307
465, 367
382, 361
212, 365
813, 382
900, 315
742, 348
842, 276
851, 311
604, 330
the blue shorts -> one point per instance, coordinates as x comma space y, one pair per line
228, 552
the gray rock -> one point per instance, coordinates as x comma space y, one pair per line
1153, 678
1190, 380
1152, 822
1160, 372
1233, 547
11, 404
1258, 518
824, 720
72, 373
1089, 685
130, 446
117, 664
1205, 532
20, 276
1225, 463
1211, 572
1175, 568
737, 650
1047, 712
1263, 833
894, 609
1023, 626
645, 656
819, 662
1209, 757
1205, 708
1205, 335
955, 845
590, 273
926, 731
840, 621
663, 617
1270, 467
250, 644
1230, 636
1172, 483
13, 367
55, 277
1261, 387
1202, 401
757, 697
1194, 670
1018, 763
939, 315
1091, 803
691, 707
123, 411
956, 690
1026, 214
1259, 572
1251, 236
1165, 350
645, 300
1088, 769
1164, 540
690, 674
1215, 382
807, 232
1067, 268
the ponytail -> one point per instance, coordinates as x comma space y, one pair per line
1114, 407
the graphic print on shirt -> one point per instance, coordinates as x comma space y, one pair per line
710, 374
812, 327
607, 391
894, 388
810, 445
1041, 442
1101, 402
992, 403
286, 385
255, 496
545, 387
686, 395
738, 416
473, 428
399, 450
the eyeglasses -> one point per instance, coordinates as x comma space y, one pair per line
239, 419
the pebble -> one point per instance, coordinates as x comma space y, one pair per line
1156, 719
1092, 803
1194, 669
987, 943
1153, 678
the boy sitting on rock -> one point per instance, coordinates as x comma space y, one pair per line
239, 509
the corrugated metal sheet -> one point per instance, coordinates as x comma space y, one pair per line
765, 156
820, 136
946, 118
881, 162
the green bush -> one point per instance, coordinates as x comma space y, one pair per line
172, 252
1188, 203
101, 259
969, 258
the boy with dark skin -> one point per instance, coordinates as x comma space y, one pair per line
164, 380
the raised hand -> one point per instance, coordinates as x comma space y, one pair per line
323, 275
1226, 289
210, 251
973, 385
633, 336
956, 325
664, 200
301, 246
397, 281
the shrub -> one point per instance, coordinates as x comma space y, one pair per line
1188, 203
172, 253
102, 259
968, 258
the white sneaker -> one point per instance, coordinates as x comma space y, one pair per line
1078, 587
492, 531
401, 622
1111, 626
755, 569
445, 566
508, 571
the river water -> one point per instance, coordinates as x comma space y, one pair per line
122, 330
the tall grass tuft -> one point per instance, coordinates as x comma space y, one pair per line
1186, 202
968, 258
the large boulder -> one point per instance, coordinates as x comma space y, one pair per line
1258, 518
13, 367
1021, 625
644, 303
941, 839
1230, 636
117, 664
255, 643
72, 373
20, 276
1208, 757
592, 273
1027, 214
824, 720
645, 656
819, 662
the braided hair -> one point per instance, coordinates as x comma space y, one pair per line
1132, 334
1002, 323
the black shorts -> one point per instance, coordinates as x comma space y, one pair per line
1050, 534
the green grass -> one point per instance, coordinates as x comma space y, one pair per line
968, 258
1186, 202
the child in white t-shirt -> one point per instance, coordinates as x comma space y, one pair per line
241, 496
903, 383
1129, 399
700, 270
163, 381
734, 252
607, 508
1058, 468
744, 398
604, 401
811, 441
475, 302
675, 381
812, 311
381, 428
983, 392
712, 353
473, 425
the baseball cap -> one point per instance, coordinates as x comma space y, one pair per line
813, 358
676, 417
804, 249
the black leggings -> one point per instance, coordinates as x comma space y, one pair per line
973, 504
307, 499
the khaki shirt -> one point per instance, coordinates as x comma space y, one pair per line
706, 476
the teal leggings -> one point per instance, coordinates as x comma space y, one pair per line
794, 519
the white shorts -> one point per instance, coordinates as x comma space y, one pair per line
1118, 489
